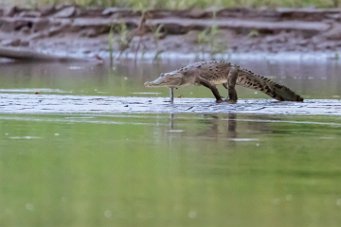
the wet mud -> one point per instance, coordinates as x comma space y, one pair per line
70, 104
74, 30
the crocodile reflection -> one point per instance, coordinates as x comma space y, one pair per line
220, 126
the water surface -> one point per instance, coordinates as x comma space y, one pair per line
228, 169
312, 79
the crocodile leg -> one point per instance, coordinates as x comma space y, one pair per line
171, 94
231, 83
212, 88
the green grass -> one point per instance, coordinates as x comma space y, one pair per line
179, 4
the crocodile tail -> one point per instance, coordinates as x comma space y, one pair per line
249, 79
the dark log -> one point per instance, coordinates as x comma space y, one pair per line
26, 54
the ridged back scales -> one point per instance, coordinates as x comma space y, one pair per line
277, 91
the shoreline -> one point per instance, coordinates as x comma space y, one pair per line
103, 58
230, 33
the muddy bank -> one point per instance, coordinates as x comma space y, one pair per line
74, 30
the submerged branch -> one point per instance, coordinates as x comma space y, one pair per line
25, 54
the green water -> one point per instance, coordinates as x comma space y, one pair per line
159, 170
309, 79
164, 170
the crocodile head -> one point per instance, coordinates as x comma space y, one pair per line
171, 80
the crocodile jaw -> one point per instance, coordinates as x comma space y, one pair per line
166, 80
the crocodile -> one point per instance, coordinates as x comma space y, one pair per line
212, 73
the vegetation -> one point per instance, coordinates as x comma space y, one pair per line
110, 43
209, 38
123, 39
157, 35
177, 4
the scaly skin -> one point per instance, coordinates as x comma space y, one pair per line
212, 73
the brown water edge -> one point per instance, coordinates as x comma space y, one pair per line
84, 32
